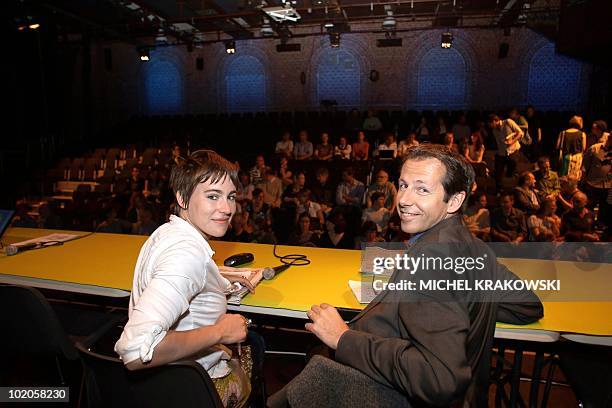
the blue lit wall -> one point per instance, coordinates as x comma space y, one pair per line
441, 80
245, 81
338, 78
163, 86
554, 80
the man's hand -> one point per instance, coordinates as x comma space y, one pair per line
326, 324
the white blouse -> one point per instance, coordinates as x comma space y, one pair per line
177, 286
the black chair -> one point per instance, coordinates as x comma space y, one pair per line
34, 348
180, 384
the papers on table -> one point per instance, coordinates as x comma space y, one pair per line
51, 238
363, 291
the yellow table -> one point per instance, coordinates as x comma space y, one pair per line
103, 264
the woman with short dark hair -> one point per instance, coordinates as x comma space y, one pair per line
178, 303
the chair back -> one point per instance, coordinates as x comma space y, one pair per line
32, 324
180, 384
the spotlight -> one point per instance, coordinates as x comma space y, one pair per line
34, 26
230, 47
334, 39
447, 40
144, 54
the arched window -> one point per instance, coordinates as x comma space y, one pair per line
554, 80
163, 87
441, 80
245, 81
338, 78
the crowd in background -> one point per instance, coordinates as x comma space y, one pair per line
337, 190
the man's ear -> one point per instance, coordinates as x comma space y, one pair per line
455, 202
180, 202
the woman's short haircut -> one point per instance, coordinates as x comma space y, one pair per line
201, 166
459, 175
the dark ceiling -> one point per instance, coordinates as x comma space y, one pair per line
184, 21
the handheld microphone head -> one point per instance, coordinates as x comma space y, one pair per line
11, 250
268, 273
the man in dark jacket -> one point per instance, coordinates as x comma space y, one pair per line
419, 348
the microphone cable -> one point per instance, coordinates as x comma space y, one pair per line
291, 259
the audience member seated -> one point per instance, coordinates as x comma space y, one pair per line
389, 144
313, 209
384, 186
572, 143
237, 233
547, 181
303, 149
371, 123
284, 147
545, 225
336, 234
477, 217
284, 173
47, 218
244, 189
406, 144
370, 234
440, 130
353, 121
258, 170
343, 150
569, 188
577, 224
350, 191
146, 223
461, 130
422, 131
261, 220
324, 150
112, 224
476, 148
361, 148
272, 188
137, 203
508, 224
302, 235
377, 213
176, 157
155, 183
135, 182
290, 198
322, 191
449, 143
525, 194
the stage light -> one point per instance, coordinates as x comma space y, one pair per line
144, 54
34, 26
447, 40
334, 39
230, 47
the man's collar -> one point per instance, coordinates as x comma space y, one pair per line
454, 219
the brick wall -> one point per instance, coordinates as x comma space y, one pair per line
419, 75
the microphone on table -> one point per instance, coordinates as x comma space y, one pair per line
15, 249
269, 273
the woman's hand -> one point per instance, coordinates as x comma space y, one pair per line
233, 278
233, 328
